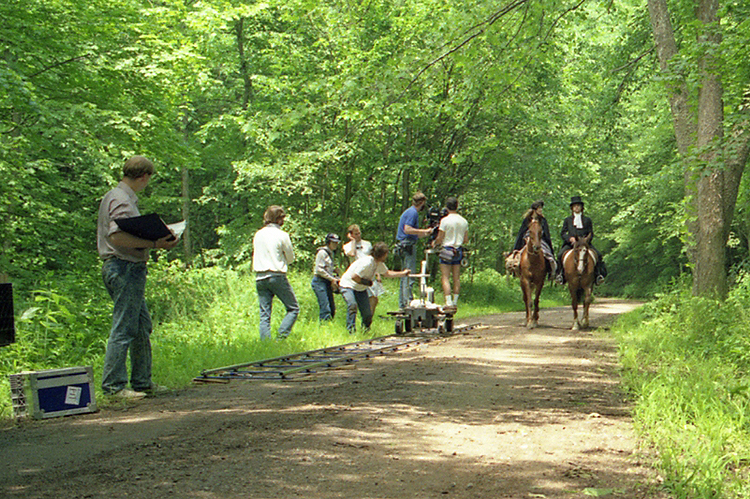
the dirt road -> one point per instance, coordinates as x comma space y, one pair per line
499, 412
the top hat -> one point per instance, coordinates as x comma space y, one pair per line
576, 200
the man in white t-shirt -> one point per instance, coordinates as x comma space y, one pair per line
357, 248
453, 234
358, 278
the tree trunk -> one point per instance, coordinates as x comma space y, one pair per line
683, 115
348, 194
710, 273
406, 189
239, 29
186, 216
713, 168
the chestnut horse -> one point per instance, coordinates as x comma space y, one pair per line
533, 270
579, 264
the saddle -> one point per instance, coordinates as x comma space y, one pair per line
513, 263
569, 252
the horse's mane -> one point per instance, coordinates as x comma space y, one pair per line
582, 241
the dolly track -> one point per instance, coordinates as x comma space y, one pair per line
313, 361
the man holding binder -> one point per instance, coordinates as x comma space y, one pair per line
124, 272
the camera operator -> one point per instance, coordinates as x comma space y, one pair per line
407, 236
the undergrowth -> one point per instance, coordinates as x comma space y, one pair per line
686, 361
204, 318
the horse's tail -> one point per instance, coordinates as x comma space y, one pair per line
579, 294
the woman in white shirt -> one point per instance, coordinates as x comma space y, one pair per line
358, 278
357, 248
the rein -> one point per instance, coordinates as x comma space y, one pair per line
529, 245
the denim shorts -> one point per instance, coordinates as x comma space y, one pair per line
458, 255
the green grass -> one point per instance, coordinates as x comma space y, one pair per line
220, 327
686, 361
205, 318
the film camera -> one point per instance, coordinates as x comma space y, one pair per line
434, 215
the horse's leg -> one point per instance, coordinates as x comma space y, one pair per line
538, 292
586, 302
574, 304
526, 299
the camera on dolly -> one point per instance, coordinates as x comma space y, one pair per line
434, 215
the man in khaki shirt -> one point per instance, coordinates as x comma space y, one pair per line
124, 273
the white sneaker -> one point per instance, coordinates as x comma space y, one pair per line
155, 389
127, 394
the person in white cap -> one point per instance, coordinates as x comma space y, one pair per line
325, 279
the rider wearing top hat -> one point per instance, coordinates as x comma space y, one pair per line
578, 225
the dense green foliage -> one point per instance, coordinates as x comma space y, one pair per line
687, 363
339, 111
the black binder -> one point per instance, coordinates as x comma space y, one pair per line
150, 227
7, 322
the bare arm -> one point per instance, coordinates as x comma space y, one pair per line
350, 248
412, 231
125, 240
397, 273
439, 239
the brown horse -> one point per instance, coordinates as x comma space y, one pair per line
578, 265
533, 270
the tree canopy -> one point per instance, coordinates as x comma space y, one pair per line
340, 110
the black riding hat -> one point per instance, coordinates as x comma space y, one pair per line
576, 200
333, 238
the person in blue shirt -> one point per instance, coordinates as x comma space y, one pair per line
407, 236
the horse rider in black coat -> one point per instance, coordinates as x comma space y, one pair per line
578, 225
537, 207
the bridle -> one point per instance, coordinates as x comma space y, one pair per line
581, 250
534, 242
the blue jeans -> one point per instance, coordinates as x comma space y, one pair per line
357, 299
324, 293
405, 292
268, 287
131, 327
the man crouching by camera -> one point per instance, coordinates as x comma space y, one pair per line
452, 234
407, 236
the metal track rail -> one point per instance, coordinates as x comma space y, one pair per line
305, 363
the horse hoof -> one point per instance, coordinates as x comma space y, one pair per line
575, 327
585, 324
